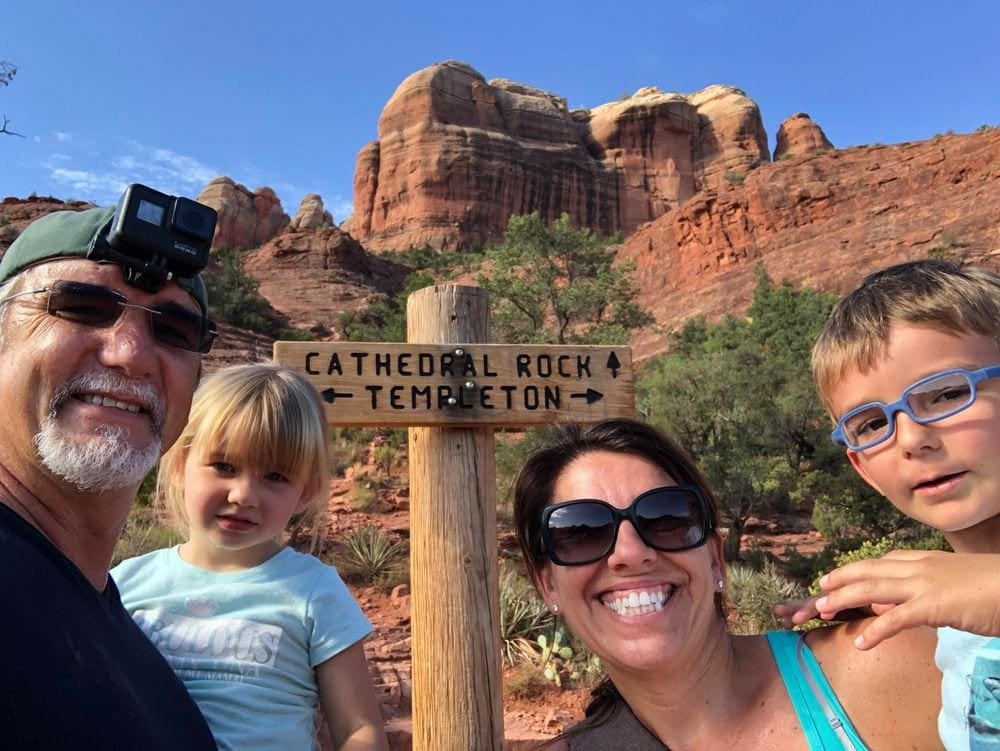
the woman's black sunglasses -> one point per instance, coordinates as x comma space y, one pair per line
101, 307
668, 519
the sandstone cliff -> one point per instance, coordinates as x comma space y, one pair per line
822, 220
247, 219
457, 155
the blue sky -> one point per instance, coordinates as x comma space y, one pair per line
175, 93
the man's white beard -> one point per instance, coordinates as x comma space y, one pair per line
107, 459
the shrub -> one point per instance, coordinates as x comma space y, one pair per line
371, 556
234, 298
523, 617
525, 682
735, 178
754, 593
364, 496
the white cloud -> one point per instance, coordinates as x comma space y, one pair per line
61, 137
94, 175
89, 183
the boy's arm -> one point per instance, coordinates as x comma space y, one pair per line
349, 703
910, 588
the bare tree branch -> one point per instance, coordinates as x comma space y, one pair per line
7, 72
3, 129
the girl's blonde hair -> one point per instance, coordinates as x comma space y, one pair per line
260, 414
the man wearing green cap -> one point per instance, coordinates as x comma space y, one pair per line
96, 378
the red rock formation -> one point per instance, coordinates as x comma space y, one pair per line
800, 135
246, 219
311, 276
823, 220
18, 213
458, 155
311, 214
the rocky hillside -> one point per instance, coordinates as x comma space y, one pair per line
823, 220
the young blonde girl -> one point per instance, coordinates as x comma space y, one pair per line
263, 637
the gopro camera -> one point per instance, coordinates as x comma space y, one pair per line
156, 237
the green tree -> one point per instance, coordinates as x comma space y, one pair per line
384, 320
234, 297
559, 286
739, 396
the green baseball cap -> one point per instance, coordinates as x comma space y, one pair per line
64, 234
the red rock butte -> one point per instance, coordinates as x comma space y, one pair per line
457, 155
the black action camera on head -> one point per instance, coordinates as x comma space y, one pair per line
156, 237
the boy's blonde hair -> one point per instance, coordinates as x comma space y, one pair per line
931, 292
260, 414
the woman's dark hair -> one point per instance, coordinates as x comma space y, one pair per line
533, 490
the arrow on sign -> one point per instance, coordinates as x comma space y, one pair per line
613, 365
330, 395
591, 396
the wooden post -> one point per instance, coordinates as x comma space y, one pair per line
454, 615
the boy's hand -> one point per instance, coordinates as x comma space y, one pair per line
909, 588
796, 612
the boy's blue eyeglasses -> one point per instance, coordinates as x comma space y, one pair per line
928, 400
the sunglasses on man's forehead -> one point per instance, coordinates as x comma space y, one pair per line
668, 519
101, 307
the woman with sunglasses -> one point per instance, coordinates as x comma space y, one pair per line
620, 535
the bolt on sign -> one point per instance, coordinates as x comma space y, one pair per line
365, 383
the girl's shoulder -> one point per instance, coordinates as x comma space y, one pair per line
290, 563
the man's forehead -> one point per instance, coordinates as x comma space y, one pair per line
108, 275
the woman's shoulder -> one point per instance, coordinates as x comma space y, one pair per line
835, 646
891, 692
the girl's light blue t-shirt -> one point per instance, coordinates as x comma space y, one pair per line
246, 643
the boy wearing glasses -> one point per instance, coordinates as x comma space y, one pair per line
909, 366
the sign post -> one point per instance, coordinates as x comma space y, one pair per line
452, 387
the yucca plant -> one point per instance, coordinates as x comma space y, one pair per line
523, 617
371, 555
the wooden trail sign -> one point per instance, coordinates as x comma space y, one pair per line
365, 384
452, 391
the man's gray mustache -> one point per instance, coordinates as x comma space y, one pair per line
145, 395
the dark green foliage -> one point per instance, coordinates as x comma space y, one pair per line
558, 286
385, 319
233, 297
512, 450
426, 258
739, 396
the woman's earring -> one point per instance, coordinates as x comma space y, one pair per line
722, 584
555, 608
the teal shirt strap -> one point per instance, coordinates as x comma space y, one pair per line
821, 715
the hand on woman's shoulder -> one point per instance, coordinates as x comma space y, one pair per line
892, 693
